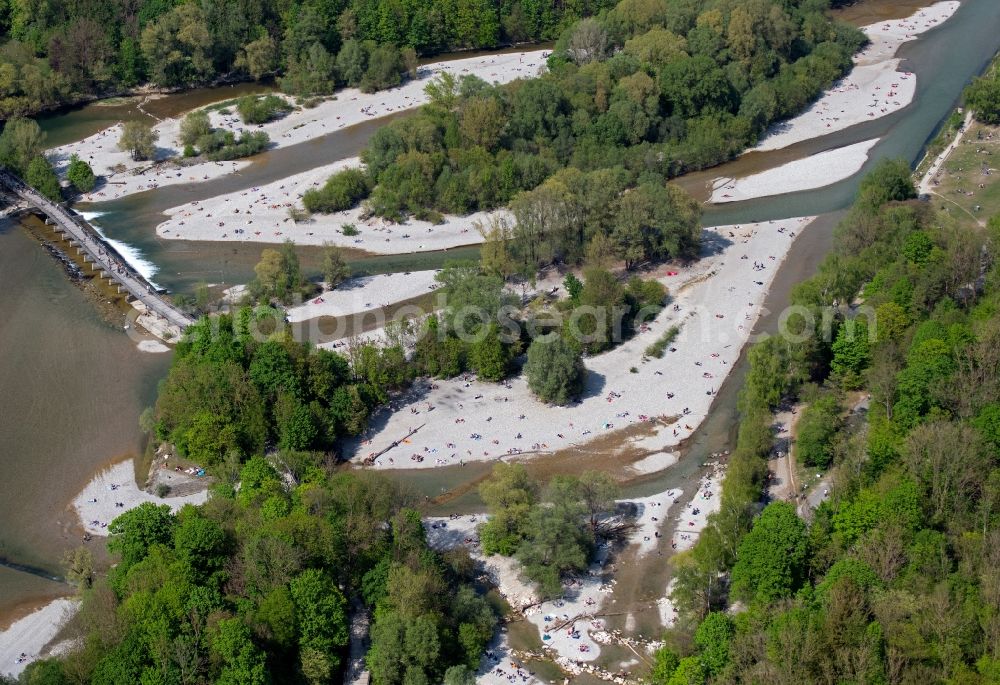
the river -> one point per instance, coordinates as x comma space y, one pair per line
75, 386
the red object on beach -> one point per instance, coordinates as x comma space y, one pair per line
671, 273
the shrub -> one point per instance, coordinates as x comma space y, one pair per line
658, 348
555, 370
248, 144
255, 109
80, 175
341, 191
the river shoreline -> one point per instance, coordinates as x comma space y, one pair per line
783, 270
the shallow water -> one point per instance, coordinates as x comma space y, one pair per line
73, 387
944, 60
78, 122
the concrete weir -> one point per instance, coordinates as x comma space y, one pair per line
96, 252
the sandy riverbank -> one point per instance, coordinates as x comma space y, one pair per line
349, 107
873, 89
688, 525
570, 627
715, 301
30, 635
97, 504
364, 294
822, 169
260, 215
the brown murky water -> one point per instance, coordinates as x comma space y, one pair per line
74, 386
72, 389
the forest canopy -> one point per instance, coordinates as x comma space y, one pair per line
60, 51
631, 98
894, 577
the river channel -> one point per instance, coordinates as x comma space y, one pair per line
73, 386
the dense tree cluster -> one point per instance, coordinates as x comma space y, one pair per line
260, 109
552, 532
233, 391
256, 587
983, 97
645, 92
482, 328
894, 579
22, 144
80, 174
200, 138
61, 51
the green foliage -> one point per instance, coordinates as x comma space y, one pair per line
72, 53
851, 353
335, 269
574, 287
21, 142
195, 126
817, 426
341, 191
220, 146
674, 99
253, 590
80, 175
983, 98
659, 348
509, 495
690, 671
552, 536
321, 619
664, 665
138, 139
770, 561
278, 272
228, 394
256, 109
914, 488
554, 370
712, 638
42, 178
132, 534
890, 180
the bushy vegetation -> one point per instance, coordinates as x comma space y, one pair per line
555, 370
199, 138
220, 148
983, 97
236, 389
66, 52
341, 191
21, 141
260, 109
80, 175
42, 178
482, 328
907, 538
255, 586
22, 144
139, 140
659, 348
638, 96
552, 531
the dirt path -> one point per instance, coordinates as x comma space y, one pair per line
928, 184
783, 485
